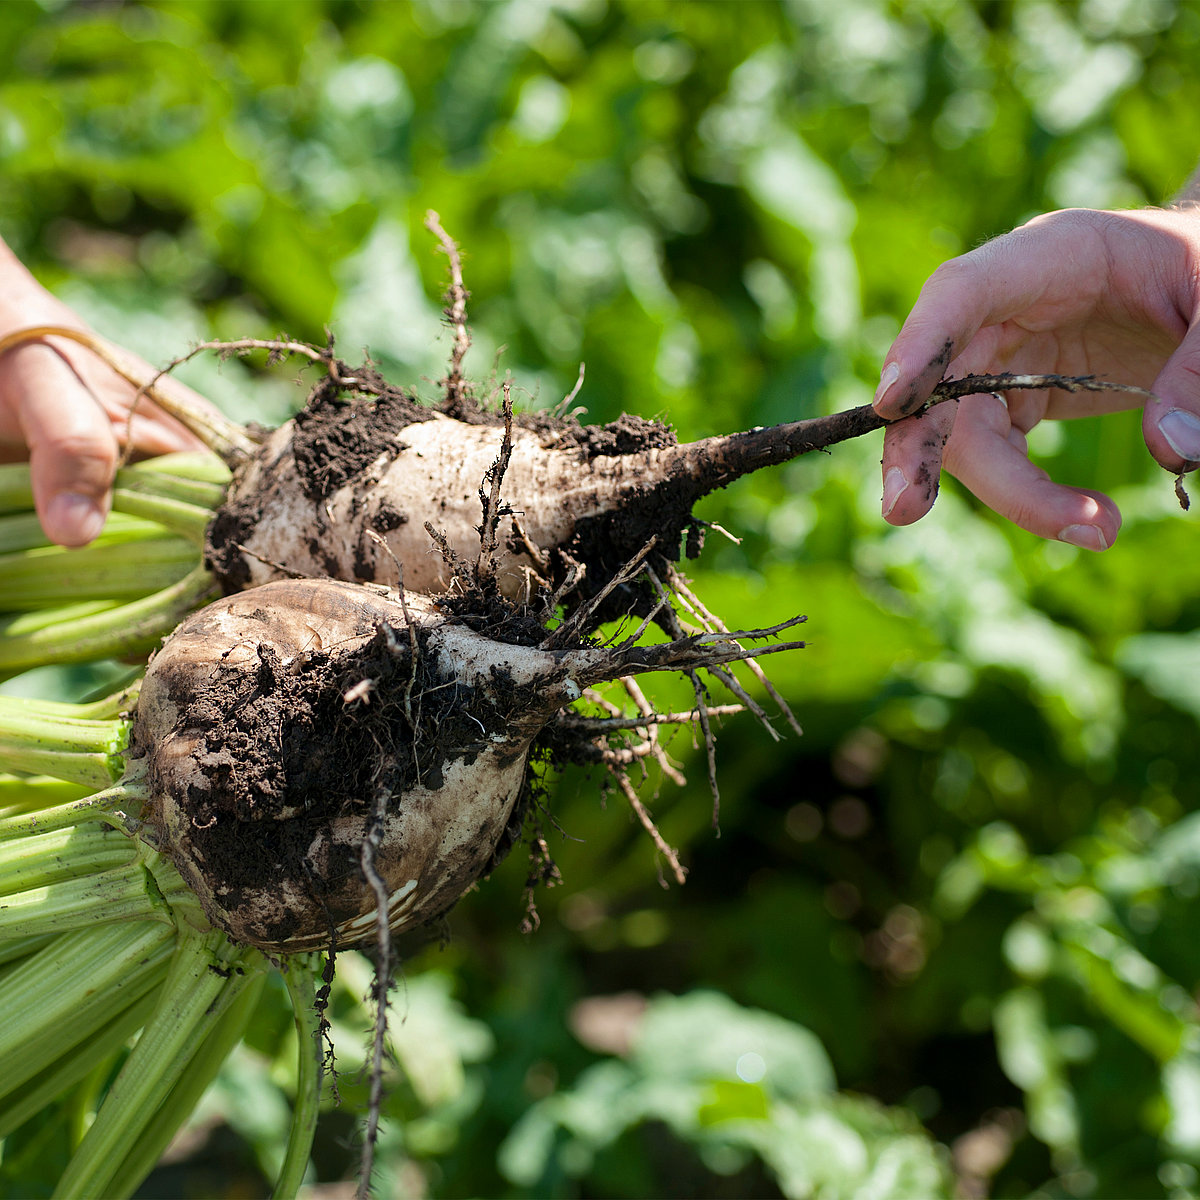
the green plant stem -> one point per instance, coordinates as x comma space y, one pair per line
22, 795
122, 893
67, 991
43, 741
16, 949
20, 531
116, 704
194, 477
47, 858
125, 629
188, 520
201, 1069
92, 714
16, 495
206, 976
199, 466
171, 478
23, 531
182, 505
111, 805
44, 576
75, 1064
300, 975
14, 625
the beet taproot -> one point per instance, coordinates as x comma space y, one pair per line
279, 723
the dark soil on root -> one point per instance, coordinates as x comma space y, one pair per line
664, 512
231, 525
337, 436
628, 434
485, 611
283, 754
336, 439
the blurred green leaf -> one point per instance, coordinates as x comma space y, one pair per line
721, 1076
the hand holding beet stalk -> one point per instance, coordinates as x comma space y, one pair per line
69, 413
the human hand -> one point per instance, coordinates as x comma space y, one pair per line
68, 413
1077, 292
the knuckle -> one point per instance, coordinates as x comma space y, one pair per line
89, 456
954, 270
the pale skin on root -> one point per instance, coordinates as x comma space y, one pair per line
1078, 292
66, 412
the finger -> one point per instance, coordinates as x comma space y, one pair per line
953, 306
152, 430
968, 299
1171, 424
989, 458
72, 451
913, 449
912, 463
154, 433
24, 302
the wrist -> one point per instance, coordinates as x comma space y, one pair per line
23, 301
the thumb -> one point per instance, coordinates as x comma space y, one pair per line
1171, 424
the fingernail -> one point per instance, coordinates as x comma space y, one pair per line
886, 380
1086, 537
895, 484
73, 520
1182, 431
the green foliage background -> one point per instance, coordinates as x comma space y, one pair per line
976, 879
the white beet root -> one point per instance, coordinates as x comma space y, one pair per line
286, 726
251, 821
353, 489
432, 474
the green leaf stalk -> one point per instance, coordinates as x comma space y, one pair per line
110, 970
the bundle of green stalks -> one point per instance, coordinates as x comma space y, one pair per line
118, 597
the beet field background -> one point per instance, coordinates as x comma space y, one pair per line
945, 941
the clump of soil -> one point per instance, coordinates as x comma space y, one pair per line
274, 737
336, 440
